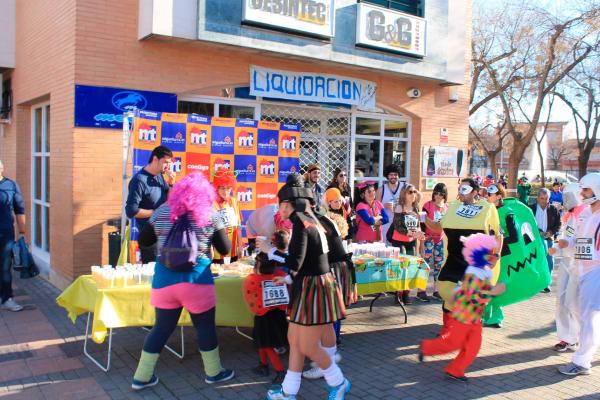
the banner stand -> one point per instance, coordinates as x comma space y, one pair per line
127, 128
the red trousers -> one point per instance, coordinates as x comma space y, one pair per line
457, 336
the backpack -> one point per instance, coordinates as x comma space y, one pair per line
180, 250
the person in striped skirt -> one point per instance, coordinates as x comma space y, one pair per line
316, 299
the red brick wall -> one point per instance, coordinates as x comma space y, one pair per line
45, 71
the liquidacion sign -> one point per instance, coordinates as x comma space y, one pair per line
311, 87
315, 17
391, 30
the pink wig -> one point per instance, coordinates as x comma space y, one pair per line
477, 248
195, 195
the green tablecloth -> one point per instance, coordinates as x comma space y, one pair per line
125, 307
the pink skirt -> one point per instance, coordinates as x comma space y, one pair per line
194, 297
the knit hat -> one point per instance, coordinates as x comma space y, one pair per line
333, 194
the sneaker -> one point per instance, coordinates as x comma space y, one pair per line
224, 375
313, 373
11, 305
277, 393
337, 358
457, 378
137, 385
436, 295
563, 346
279, 377
339, 392
261, 369
547, 290
497, 325
573, 369
422, 296
280, 350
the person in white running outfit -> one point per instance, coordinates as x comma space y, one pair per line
567, 305
586, 245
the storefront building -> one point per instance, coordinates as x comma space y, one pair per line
370, 83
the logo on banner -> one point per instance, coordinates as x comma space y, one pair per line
245, 195
267, 167
288, 143
198, 136
222, 164
246, 139
176, 165
287, 166
173, 136
195, 162
267, 142
147, 133
222, 140
245, 167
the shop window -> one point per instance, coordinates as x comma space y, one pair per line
380, 141
412, 7
231, 111
40, 158
190, 107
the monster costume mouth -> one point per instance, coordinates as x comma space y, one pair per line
521, 265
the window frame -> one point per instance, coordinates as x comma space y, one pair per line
43, 155
420, 7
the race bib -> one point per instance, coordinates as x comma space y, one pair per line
437, 216
468, 211
584, 248
274, 295
412, 223
228, 216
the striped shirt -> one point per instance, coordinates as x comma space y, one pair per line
162, 225
471, 298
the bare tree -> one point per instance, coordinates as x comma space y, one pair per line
581, 93
557, 153
525, 62
538, 141
491, 140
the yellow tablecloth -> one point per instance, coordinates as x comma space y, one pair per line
125, 307
391, 275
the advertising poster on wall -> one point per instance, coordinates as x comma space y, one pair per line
442, 161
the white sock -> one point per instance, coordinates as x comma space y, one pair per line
331, 351
333, 375
291, 382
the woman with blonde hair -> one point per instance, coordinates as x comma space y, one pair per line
406, 231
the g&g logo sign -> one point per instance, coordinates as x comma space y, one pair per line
391, 30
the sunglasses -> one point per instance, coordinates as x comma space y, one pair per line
342, 175
438, 193
412, 192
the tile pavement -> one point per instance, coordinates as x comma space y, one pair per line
41, 358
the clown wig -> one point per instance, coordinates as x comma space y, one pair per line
192, 195
478, 248
224, 178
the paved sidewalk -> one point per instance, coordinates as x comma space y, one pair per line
41, 358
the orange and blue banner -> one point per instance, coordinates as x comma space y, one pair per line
261, 153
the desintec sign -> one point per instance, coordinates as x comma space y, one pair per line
313, 17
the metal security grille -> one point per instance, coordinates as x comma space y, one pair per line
325, 137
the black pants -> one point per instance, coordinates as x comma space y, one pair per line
409, 248
7, 241
148, 253
166, 322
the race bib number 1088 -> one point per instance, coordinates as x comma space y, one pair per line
274, 295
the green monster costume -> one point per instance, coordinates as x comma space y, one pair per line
523, 264
463, 220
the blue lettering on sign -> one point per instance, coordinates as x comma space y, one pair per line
311, 87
